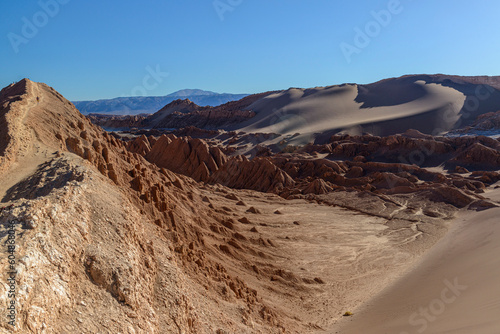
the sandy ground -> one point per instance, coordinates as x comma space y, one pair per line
453, 289
355, 255
23, 168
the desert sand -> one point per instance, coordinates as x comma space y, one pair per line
453, 289
322, 109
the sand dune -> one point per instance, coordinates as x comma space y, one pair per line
335, 108
454, 289
430, 104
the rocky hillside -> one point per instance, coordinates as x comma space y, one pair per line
184, 113
385, 165
107, 241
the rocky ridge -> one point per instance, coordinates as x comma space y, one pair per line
124, 253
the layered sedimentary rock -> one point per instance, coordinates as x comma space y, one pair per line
192, 157
257, 174
195, 158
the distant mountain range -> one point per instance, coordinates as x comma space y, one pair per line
150, 104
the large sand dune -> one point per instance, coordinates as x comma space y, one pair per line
430, 104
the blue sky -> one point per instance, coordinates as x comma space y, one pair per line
103, 49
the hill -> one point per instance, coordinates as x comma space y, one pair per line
151, 104
431, 104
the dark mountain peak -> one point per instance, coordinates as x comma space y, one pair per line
192, 92
179, 103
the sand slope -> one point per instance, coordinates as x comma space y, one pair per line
455, 288
430, 104
324, 109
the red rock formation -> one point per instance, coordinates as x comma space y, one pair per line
289, 174
318, 187
257, 174
139, 145
191, 157
478, 155
452, 196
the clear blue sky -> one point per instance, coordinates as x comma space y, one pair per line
101, 49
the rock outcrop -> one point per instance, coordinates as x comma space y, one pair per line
257, 174
107, 241
387, 165
196, 159
478, 156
